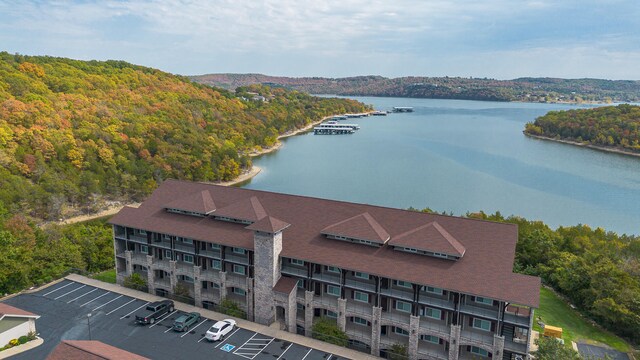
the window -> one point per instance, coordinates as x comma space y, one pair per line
411, 250
332, 269
404, 284
333, 290
483, 300
430, 338
239, 250
186, 278
186, 241
214, 246
360, 321
239, 269
166, 237
360, 296
142, 232
215, 285
478, 351
300, 284
331, 314
433, 290
297, 262
216, 264
403, 306
299, 306
168, 254
187, 258
144, 249
432, 313
361, 275
239, 291
400, 331
482, 324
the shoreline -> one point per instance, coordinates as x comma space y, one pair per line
589, 146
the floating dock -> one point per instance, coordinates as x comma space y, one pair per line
401, 109
335, 128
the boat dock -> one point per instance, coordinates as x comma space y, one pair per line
401, 109
335, 128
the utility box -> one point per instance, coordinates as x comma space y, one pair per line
552, 331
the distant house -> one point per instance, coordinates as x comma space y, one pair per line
15, 322
90, 350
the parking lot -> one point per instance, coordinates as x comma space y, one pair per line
73, 311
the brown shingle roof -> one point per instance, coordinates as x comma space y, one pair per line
90, 350
199, 202
486, 269
8, 310
430, 237
362, 227
268, 224
249, 209
285, 285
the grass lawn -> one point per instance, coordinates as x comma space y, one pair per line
106, 276
555, 312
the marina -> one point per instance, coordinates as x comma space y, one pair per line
401, 109
335, 128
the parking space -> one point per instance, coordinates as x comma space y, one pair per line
70, 310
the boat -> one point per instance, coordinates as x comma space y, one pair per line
400, 109
379, 113
343, 125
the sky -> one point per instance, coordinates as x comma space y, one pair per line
501, 39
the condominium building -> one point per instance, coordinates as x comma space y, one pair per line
441, 285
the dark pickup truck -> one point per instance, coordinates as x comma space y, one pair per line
153, 311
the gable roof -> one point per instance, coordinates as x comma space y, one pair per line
8, 310
285, 285
362, 227
249, 209
430, 237
199, 202
268, 224
90, 350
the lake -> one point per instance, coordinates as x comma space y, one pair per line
460, 156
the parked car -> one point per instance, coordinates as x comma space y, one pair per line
153, 311
220, 329
184, 321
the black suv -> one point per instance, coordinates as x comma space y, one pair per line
153, 311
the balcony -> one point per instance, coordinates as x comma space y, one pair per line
362, 285
517, 319
516, 345
162, 282
120, 254
294, 270
236, 280
165, 244
476, 337
397, 317
327, 277
187, 248
138, 239
358, 332
210, 253
387, 341
184, 268
327, 302
396, 293
437, 302
361, 309
238, 259
429, 350
437, 326
210, 275
212, 295
138, 258
161, 265
480, 311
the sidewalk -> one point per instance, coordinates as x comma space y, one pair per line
262, 329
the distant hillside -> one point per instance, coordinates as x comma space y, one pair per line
523, 89
76, 133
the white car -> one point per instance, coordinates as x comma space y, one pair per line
220, 329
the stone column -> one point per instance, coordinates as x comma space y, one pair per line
129, 257
454, 342
498, 346
376, 315
173, 278
266, 267
342, 317
151, 286
223, 285
197, 286
414, 324
292, 311
308, 312
249, 298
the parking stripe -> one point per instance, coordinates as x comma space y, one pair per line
227, 338
110, 301
169, 329
186, 332
134, 311
162, 319
69, 302
121, 306
52, 291
105, 294
309, 352
252, 347
329, 358
67, 293
285, 350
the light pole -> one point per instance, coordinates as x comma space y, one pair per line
89, 324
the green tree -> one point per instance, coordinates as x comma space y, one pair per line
135, 281
327, 330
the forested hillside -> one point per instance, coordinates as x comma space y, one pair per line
616, 127
74, 133
522, 89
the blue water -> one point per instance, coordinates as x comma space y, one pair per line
460, 156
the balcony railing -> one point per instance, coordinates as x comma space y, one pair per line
398, 317
139, 258
212, 295
475, 310
438, 326
401, 294
516, 319
363, 309
238, 259
138, 239
184, 268
236, 280
332, 278
210, 253
163, 244
518, 346
292, 270
327, 301
210, 275
188, 248
162, 282
387, 341
352, 283
358, 332
476, 337
442, 303
427, 350
161, 265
